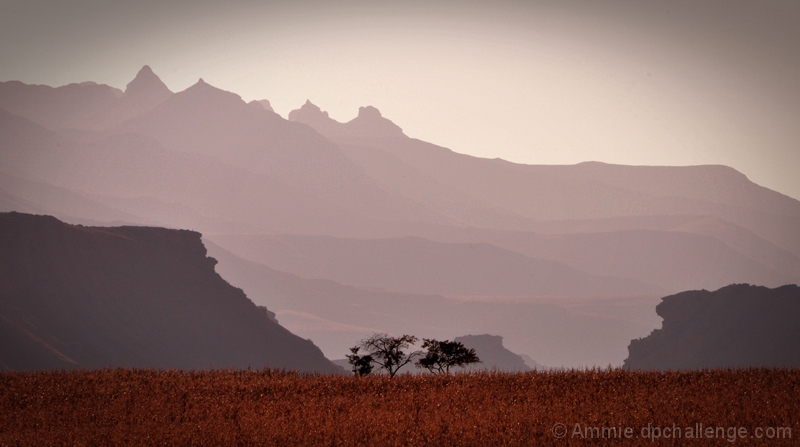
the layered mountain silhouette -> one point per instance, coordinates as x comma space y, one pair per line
90, 297
211, 122
633, 262
562, 331
736, 326
362, 205
417, 265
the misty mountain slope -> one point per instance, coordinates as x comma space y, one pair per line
673, 260
41, 197
71, 106
577, 192
400, 208
708, 232
482, 193
336, 316
710, 190
362, 138
516, 263
417, 265
89, 297
205, 120
736, 326
491, 182
25, 142
396, 174
76, 207
628, 190
745, 242
130, 166
427, 190
87, 105
556, 331
9, 202
583, 191
709, 183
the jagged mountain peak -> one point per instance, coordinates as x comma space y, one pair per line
369, 112
370, 123
266, 105
145, 71
262, 105
147, 83
309, 113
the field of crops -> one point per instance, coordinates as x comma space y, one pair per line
592, 407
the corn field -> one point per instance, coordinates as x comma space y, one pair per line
275, 408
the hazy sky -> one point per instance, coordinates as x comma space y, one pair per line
633, 82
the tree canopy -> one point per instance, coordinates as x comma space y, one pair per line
443, 355
362, 364
389, 354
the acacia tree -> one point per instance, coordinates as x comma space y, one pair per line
443, 355
362, 364
385, 351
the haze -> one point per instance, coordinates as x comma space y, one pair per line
544, 82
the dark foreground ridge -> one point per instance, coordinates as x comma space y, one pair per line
89, 297
737, 326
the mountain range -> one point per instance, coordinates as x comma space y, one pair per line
360, 208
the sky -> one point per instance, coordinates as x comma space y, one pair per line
679, 82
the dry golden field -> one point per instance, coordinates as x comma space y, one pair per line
596, 407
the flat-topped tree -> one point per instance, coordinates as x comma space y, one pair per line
443, 355
385, 351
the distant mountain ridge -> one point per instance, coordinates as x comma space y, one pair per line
88, 106
204, 120
368, 124
583, 191
417, 180
91, 297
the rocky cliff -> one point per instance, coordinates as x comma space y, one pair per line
90, 297
737, 326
